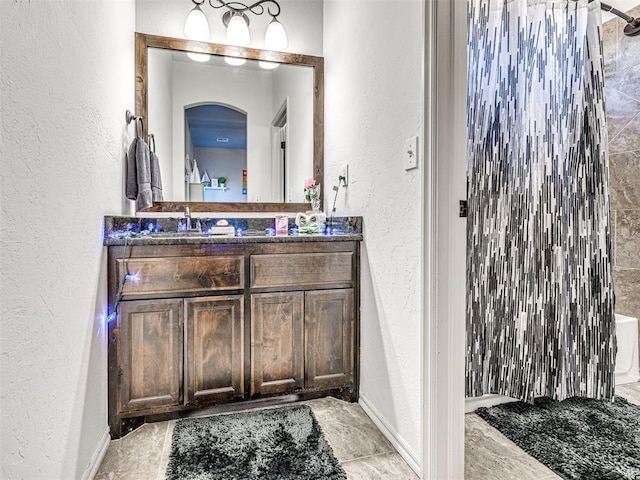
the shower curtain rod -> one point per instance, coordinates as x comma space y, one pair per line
632, 28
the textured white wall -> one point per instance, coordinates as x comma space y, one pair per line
67, 79
373, 103
302, 19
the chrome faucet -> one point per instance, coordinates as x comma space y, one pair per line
187, 216
189, 224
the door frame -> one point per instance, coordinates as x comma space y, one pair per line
444, 237
280, 122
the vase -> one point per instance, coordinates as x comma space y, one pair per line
314, 197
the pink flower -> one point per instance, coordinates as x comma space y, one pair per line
310, 182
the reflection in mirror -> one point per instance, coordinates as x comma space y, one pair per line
250, 126
216, 153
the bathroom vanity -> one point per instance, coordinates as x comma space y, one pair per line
205, 321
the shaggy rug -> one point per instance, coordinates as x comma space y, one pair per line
276, 444
579, 438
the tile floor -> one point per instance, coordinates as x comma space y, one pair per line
489, 455
367, 455
361, 449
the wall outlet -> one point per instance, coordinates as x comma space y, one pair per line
410, 153
345, 174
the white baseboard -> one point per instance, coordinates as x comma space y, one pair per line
473, 403
98, 456
396, 440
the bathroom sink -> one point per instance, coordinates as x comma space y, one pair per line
179, 235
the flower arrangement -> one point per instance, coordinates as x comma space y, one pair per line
312, 193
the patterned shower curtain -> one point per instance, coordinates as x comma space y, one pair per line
540, 294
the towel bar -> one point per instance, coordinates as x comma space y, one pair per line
131, 117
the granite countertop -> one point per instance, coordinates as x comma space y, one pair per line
166, 231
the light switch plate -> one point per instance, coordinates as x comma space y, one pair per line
410, 153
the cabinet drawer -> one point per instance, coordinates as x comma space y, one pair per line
153, 276
301, 269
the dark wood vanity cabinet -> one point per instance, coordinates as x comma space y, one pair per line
277, 342
213, 349
208, 324
329, 334
150, 369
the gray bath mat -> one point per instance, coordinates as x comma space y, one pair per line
283, 443
579, 438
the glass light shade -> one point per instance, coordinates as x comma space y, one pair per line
236, 62
276, 37
238, 31
268, 65
196, 26
199, 57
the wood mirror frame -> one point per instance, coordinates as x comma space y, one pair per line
142, 43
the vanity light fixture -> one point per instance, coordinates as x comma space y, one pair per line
274, 39
236, 21
196, 27
237, 28
236, 62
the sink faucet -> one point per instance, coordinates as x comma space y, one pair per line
187, 216
189, 225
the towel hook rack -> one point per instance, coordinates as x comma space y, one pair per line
130, 118
152, 142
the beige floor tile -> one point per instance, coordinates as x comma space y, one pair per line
383, 466
362, 449
489, 455
630, 391
354, 438
166, 450
349, 430
136, 456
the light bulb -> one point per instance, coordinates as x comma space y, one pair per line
199, 57
196, 26
276, 37
236, 62
268, 65
238, 31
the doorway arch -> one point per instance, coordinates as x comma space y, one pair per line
215, 137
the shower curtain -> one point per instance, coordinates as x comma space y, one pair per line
540, 294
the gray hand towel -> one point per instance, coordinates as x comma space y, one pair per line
139, 174
156, 180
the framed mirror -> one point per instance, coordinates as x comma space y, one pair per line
254, 133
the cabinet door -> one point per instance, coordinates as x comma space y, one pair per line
151, 354
329, 335
215, 352
277, 340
